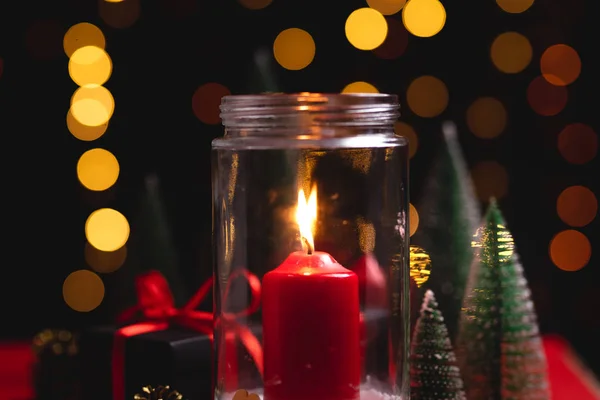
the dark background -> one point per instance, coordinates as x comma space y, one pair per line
176, 46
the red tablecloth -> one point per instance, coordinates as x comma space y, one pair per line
569, 379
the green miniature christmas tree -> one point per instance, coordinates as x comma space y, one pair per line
434, 374
449, 215
499, 346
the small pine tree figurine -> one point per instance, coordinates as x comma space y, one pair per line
499, 347
434, 374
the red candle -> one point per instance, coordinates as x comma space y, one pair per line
311, 324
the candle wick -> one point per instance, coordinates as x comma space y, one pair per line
309, 248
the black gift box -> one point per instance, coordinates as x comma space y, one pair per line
178, 358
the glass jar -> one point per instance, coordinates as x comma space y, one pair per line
310, 227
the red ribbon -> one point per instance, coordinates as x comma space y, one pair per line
156, 307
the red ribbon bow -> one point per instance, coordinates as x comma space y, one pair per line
156, 306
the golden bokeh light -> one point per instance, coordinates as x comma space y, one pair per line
570, 250
577, 206
107, 229
360, 87
255, 4
90, 65
427, 96
366, 28
92, 105
420, 265
82, 35
578, 143
511, 52
119, 14
486, 117
294, 49
207, 100
424, 18
97, 169
546, 99
104, 261
490, 179
395, 43
560, 65
514, 6
403, 129
83, 290
84, 132
413, 219
387, 7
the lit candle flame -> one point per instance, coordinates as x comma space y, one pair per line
306, 217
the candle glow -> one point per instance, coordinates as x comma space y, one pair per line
306, 217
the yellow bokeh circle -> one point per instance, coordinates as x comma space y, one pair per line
81, 35
511, 52
294, 49
105, 261
427, 96
387, 7
366, 28
360, 87
107, 229
413, 218
97, 169
424, 18
83, 290
90, 65
514, 6
92, 105
486, 117
84, 132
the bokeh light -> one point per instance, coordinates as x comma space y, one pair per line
97, 169
104, 261
424, 18
560, 65
294, 49
514, 6
403, 129
119, 14
546, 99
92, 105
577, 206
90, 65
255, 4
395, 43
207, 100
84, 132
83, 290
366, 28
387, 7
107, 229
570, 250
413, 218
427, 96
82, 35
578, 143
43, 39
511, 52
490, 179
360, 87
486, 117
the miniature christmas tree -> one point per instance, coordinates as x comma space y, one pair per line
449, 215
499, 346
434, 374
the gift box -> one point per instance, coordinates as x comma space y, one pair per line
179, 358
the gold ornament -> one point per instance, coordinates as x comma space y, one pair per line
57, 341
158, 393
420, 265
244, 395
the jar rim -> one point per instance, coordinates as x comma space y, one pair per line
313, 98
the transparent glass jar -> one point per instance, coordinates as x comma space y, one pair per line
310, 226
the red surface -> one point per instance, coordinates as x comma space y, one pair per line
311, 330
569, 379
